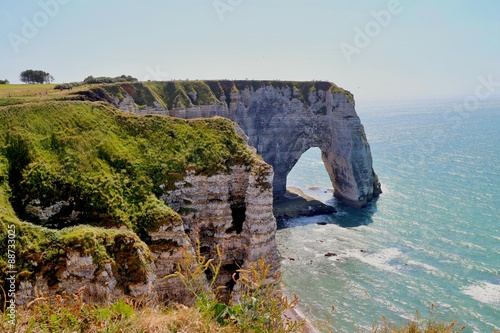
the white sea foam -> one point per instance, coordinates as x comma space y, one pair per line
484, 292
380, 260
427, 267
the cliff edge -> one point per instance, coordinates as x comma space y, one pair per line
113, 202
282, 119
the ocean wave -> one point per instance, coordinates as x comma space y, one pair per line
380, 260
484, 292
426, 267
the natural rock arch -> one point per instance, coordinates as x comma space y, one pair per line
282, 130
282, 120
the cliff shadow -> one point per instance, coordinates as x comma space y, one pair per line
345, 216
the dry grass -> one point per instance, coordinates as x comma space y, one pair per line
47, 316
26, 90
259, 308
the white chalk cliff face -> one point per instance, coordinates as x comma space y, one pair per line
282, 129
282, 124
231, 211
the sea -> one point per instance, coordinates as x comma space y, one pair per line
429, 246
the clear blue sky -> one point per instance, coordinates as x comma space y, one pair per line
426, 48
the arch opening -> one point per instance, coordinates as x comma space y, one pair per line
308, 187
309, 174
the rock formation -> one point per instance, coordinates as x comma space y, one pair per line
113, 203
282, 121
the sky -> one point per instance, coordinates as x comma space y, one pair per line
377, 49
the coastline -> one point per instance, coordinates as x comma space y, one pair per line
296, 203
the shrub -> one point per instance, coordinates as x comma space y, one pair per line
258, 305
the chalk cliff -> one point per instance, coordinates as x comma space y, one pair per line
112, 203
281, 119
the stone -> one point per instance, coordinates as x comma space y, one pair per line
296, 203
283, 123
231, 211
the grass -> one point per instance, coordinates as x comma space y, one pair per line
25, 90
259, 308
108, 169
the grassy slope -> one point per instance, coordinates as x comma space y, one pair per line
111, 167
18, 90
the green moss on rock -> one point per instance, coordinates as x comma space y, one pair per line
102, 165
179, 94
44, 252
88, 178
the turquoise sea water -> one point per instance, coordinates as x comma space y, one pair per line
433, 237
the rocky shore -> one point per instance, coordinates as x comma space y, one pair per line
296, 203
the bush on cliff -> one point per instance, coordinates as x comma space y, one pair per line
103, 164
91, 167
104, 79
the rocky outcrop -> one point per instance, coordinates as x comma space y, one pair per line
282, 121
227, 213
113, 208
123, 266
296, 203
232, 212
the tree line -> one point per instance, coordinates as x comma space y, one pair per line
104, 79
31, 76
35, 76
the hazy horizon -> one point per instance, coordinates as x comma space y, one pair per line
392, 49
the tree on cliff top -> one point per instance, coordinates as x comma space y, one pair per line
35, 76
104, 79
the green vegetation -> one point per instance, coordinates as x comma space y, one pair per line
184, 94
35, 76
43, 252
96, 80
23, 90
104, 79
4, 81
105, 169
259, 309
260, 305
69, 86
